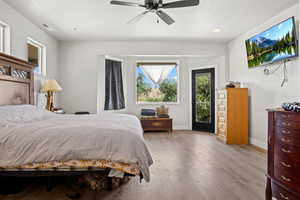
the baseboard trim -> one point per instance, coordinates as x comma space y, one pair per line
259, 149
259, 144
181, 128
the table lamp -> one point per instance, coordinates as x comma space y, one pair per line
50, 87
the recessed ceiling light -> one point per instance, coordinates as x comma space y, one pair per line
217, 30
74, 29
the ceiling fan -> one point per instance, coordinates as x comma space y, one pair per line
156, 6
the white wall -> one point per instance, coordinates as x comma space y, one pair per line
82, 72
21, 29
180, 112
265, 91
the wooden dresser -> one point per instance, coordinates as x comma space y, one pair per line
232, 115
283, 156
157, 124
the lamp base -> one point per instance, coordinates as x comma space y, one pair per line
50, 106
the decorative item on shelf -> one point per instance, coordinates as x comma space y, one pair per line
162, 112
50, 87
148, 113
233, 84
244, 85
230, 85
291, 106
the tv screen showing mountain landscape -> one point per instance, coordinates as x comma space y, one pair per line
276, 44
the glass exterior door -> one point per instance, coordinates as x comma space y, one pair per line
203, 100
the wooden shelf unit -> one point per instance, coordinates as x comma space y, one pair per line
232, 115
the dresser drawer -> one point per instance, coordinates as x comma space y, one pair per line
287, 178
287, 165
222, 94
287, 153
287, 116
288, 124
282, 194
221, 119
221, 108
288, 136
222, 132
165, 124
222, 114
222, 126
155, 124
286, 131
222, 102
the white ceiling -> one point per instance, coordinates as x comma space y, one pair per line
98, 20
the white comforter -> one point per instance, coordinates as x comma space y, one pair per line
29, 135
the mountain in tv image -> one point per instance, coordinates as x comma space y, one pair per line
263, 42
273, 45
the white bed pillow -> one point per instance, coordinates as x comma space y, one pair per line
22, 113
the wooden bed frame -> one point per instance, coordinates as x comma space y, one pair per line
16, 81
17, 88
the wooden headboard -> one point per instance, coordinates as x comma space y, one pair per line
16, 81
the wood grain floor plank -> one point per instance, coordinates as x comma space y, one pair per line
187, 166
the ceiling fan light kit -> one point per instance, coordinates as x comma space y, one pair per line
157, 6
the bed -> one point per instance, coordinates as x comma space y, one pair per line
36, 142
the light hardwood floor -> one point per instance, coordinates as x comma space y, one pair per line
187, 166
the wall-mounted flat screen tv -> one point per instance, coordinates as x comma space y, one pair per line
273, 45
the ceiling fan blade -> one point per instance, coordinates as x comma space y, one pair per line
123, 3
138, 18
165, 17
181, 4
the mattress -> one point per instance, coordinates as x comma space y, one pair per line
32, 138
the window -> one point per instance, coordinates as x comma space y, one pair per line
37, 56
157, 83
4, 38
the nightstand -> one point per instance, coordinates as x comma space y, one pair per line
157, 124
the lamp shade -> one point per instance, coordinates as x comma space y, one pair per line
51, 86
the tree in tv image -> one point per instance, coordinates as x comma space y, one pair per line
277, 43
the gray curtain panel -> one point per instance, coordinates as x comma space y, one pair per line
114, 93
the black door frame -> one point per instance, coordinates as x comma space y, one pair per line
204, 126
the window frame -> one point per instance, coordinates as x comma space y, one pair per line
42, 50
178, 82
4, 38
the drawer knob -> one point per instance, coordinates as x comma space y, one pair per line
286, 132
285, 140
286, 124
286, 179
156, 124
285, 151
284, 197
286, 165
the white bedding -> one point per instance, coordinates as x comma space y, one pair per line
30, 135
